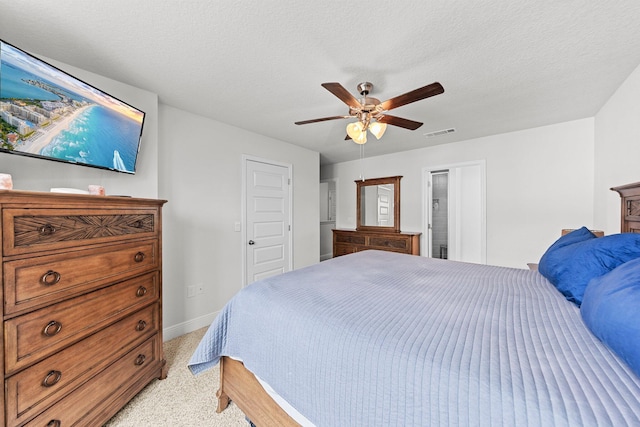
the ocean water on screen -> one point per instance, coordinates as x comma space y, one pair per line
98, 136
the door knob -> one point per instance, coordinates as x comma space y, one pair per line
251, 242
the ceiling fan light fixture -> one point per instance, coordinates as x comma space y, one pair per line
362, 139
369, 110
357, 132
377, 129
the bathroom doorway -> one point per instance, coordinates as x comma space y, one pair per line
328, 208
454, 222
439, 214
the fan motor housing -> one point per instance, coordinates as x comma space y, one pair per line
365, 88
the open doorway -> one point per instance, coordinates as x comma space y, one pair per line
454, 212
328, 209
439, 214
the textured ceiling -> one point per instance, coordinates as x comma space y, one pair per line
258, 65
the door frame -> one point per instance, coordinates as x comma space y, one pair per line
243, 208
453, 216
335, 181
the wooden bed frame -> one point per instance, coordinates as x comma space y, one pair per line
239, 385
630, 207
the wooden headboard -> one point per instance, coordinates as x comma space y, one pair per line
630, 209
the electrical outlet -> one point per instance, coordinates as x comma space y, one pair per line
191, 291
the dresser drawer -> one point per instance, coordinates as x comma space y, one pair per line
33, 389
33, 230
339, 250
37, 281
77, 409
36, 335
387, 242
352, 238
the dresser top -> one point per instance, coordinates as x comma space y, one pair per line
35, 197
405, 233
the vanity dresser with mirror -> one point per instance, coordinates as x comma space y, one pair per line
378, 221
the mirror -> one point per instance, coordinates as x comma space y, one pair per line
378, 204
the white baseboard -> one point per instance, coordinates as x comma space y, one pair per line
325, 257
175, 331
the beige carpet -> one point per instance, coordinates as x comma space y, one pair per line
181, 399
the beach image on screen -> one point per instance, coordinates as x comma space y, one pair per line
45, 112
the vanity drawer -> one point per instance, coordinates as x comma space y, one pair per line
78, 410
33, 389
36, 335
37, 281
33, 230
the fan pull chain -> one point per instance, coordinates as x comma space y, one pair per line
362, 162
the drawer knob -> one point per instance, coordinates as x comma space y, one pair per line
142, 291
52, 328
50, 278
51, 379
138, 224
54, 423
139, 257
141, 325
140, 359
47, 230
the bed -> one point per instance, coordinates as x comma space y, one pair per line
379, 338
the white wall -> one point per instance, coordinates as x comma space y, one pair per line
201, 176
617, 151
41, 175
538, 182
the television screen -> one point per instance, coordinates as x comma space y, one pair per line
47, 113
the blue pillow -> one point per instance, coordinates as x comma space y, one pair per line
576, 236
571, 267
611, 310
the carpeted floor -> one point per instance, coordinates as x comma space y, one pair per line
181, 399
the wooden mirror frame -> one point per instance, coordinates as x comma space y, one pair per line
360, 184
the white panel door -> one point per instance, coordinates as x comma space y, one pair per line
385, 209
267, 220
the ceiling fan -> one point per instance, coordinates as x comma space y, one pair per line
371, 113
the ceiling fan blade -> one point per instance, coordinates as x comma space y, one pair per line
345, 96
324, 119
413, 96
399, 121
346, 138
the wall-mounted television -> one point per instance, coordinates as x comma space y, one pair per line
49, 114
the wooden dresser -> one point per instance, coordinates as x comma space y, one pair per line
350, 241
82, 312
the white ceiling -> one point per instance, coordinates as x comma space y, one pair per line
258, 65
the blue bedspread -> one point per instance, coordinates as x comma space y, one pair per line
384, 339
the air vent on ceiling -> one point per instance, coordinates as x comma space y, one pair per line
439, 132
